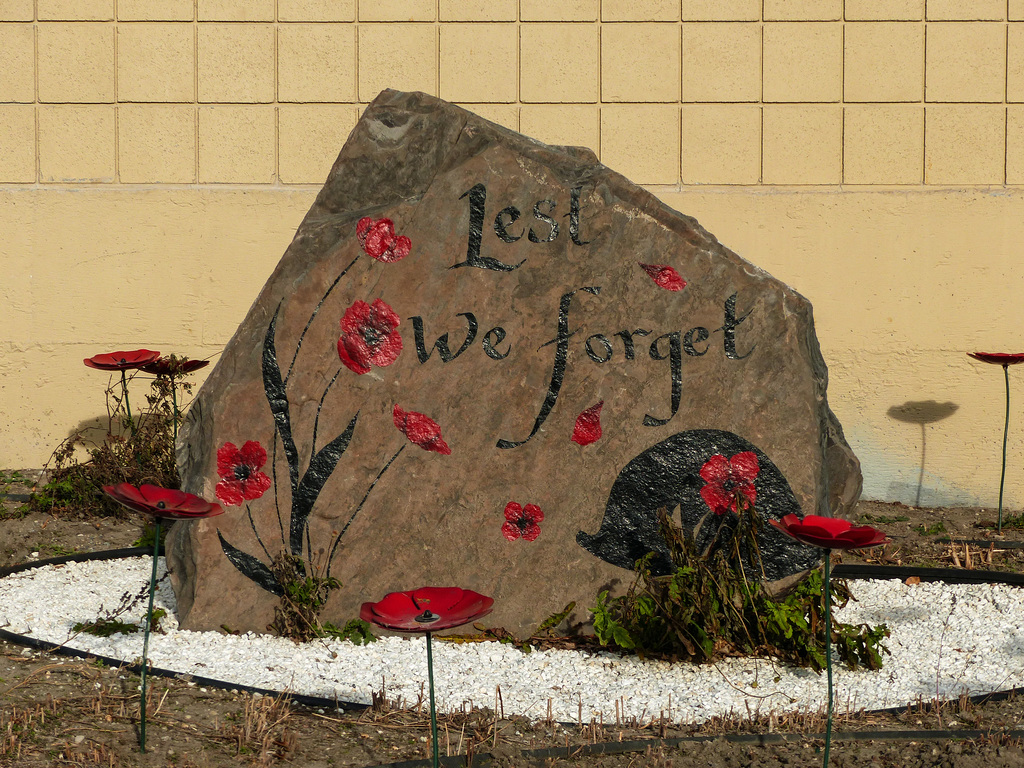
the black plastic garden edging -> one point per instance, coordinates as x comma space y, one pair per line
842, 571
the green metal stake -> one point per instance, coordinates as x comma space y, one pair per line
433, 712
145, 642
828, 652
127, 406
1006, 429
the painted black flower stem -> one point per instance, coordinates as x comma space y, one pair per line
127, 406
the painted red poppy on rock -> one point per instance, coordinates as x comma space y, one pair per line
998, 358
241, 479
588, 425
427, 609
122, 361
729, 481
421, 430
378, 239
168, 366
369, 336
522, 522
163, 503
830, 532
664, 276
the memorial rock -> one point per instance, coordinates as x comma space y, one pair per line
487, 362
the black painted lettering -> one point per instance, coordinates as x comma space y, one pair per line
675, 357
441, 345
574, 216
490, 347
607, 348
627, 341
477, 204
552, 224
501, 226
729, 327
561, 342
695, 336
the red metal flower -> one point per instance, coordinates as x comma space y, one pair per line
588, 425
664, 276
998, 358
427, 609
378, 239
728, 480
522, 522
241, 479
368, 336
830, 532
121, 361
165, 503
174, 366
421, 430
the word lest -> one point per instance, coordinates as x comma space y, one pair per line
505, 218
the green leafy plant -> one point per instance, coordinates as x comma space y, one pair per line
709, 607
297, 615
356, 631
931, 530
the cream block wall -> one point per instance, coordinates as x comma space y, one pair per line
157, 155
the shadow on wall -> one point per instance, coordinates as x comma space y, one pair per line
921, 412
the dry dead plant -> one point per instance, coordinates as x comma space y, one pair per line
261, 733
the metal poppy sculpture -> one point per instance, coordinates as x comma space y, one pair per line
123, 362
829, 533
159, 504
1004, 359
427, 610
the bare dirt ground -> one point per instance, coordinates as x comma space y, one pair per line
56, 711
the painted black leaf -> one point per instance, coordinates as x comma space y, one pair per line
278, 399
250, 567
320, 468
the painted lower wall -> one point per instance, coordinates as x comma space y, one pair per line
903, 283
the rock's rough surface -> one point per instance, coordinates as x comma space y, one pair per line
486, 362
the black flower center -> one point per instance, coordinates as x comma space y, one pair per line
242, 472
161, 505
427, 617
372, 335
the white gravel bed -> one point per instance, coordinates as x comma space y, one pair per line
946, 640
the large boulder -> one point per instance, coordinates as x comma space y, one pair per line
487, 362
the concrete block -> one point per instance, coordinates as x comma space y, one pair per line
803, 61
965, 61
156, 62
559, 63
721, 61
400, 56
568, 125
398, 10
642, 142
479, 62
564, 10
156, 143
75, 61
964, 144
721, 10
76, 143
884, 61
316, 10
721, 144
311, 136
316, 62
883, 144
18, 138
640, 10
803, 144
18, 42
236, 63
640, 62
237, 145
